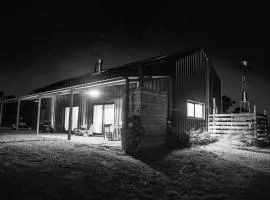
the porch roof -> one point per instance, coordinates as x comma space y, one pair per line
66, 90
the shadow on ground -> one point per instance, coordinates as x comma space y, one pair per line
195, 173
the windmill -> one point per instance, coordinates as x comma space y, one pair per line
244, 103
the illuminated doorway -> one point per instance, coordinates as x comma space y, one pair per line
103, 114
75, 115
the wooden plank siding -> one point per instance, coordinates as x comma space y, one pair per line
249, 123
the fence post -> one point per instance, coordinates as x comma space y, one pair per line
38, 114
255, 125
70, 117
265, 126
18, 114
214, 106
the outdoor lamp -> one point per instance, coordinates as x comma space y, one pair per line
94, 93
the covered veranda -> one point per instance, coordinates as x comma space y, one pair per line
70, 91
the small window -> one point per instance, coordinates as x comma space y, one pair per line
190, 109
199, 110
195, 110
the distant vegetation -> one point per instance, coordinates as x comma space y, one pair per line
4, 97
227, 103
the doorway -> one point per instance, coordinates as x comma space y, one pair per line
103, 114
75, 116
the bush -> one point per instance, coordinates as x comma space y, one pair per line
200, 137
190, 138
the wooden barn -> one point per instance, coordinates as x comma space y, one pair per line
144, 98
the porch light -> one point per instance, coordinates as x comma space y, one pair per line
94, 93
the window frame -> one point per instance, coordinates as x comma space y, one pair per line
194, 111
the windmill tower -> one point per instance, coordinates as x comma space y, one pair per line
244, 103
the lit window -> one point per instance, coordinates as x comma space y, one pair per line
195, 110
190, 109
199, 110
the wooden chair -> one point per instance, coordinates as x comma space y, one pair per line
107, 132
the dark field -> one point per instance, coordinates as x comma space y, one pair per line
35, 167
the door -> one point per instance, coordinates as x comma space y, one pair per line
103, 114
109, 114
98, 118
75, 116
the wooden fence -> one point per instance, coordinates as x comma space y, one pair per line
250, 123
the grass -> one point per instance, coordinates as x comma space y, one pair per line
33, 167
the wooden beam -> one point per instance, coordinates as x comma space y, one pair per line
254, 109
207, 91
125, 137
1, 112
38, 114
70, 113
83, 112
18, 114
53, 111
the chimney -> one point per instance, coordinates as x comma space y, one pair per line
99, 66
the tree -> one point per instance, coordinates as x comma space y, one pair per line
227, 103
3, 97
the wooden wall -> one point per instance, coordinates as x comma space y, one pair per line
152, 109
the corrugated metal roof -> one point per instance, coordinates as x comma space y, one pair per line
120, 71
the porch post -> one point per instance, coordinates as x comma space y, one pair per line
53, 111
70, 113
207, 92
125, 136
38, 114
18, 114
1, 112
83, 111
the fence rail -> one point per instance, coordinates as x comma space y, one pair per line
249, 123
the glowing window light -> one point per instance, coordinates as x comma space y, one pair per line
199, 110
94, 93
190, 109
195, 110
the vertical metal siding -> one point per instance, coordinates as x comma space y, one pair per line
113, 94
190, 84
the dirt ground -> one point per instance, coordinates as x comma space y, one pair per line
36, 167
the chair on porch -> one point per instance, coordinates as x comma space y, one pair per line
117, 131
108, 132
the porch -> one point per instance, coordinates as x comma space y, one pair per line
95, 140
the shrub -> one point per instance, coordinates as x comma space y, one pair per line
200, 137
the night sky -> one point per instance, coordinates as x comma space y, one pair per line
43, 42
